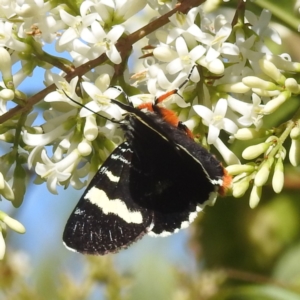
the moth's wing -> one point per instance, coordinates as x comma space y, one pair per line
187, 191
106, 218
181, 175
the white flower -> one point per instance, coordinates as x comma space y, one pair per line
7, 38
7, 9
260, 25
58, 98
181, 59
229, 157
48, 137
35, 156
75, 24
103, 42
29, 8
100, 100
56, 173
61, 149
78, 174
156, 76
181, 23
37, 21
220, 31
162, 6
251, 113
118, 11
215, 120
5, 32
244, 55
158, 84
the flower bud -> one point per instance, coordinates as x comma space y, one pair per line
216, 66
278, 177
272, 71
7, 192
292, 85
12, 223
84, 148
238, 169
240, 188
252, 152
295, 133
90, 128
273, 104
294, 154
263, 173
103, 82
238, 87
255, 196
265, 93
164, 54
256, 82
7, 94
251, 133
284, 64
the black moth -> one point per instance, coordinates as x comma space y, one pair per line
153, 183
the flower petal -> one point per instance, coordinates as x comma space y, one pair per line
204, 112
229, 157
213, 133
229, 126
221, 107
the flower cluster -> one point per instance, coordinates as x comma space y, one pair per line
234, 82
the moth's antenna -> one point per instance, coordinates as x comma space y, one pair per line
82, 105
175, 91
125, 95
188, 77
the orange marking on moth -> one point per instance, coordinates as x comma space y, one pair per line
165, 96
167, 115
171, 117
148, 106
227, 182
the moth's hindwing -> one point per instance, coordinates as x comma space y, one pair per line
106, 217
